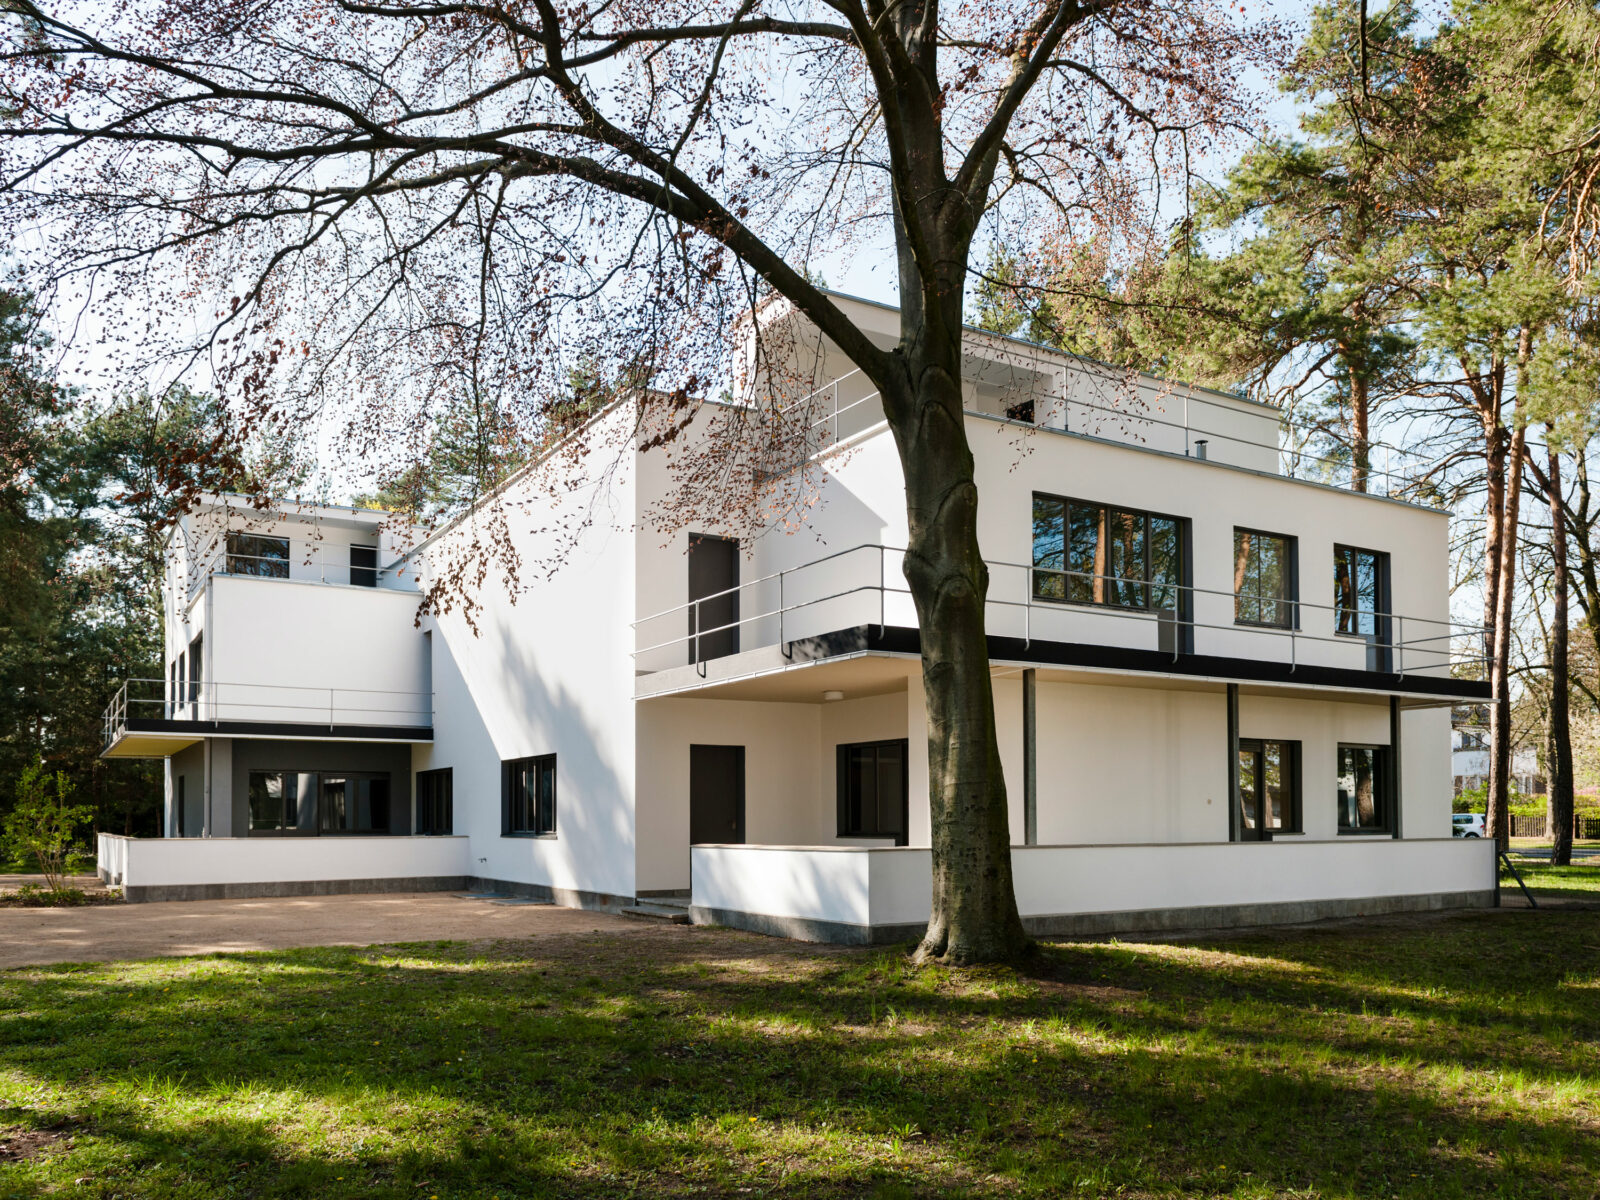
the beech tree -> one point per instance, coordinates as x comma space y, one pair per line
348, 209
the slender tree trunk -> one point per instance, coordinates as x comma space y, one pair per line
1500, 748
1360, 432
1495, 438
1560, 728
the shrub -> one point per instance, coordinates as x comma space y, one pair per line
43, 824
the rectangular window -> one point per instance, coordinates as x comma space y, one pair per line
182, 832
873, 789
1263, 579
251, 554
1364, 803
354, 803
306, 802
529, 797
283, 802
434, 802
364, 566
196, 665
1093, 554
1269, 788
1359, 587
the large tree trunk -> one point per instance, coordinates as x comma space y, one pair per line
1559, 804
974, 903
1500, 748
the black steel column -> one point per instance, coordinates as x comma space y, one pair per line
1233, 762
1394, 761
1030, 758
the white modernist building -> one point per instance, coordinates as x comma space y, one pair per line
1223, 692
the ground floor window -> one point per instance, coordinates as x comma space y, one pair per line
1365, 803
1269, 788
529, 797
873, 800
309, 802
434, 802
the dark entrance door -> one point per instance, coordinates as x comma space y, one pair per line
716, 794
713, 597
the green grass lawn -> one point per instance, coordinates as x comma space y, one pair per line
1430, 1057
1580, 881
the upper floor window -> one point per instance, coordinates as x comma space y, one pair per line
1360, 588
528, 790
252, 554
364, 566
1094, 554
1263, 579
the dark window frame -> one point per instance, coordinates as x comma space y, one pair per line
1291, 599
435, 803
510, 800
1294, 818
1383, 790
262, 566
1144, 584
363, 574
318, 827
843, 800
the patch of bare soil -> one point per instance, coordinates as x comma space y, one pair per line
20, 1145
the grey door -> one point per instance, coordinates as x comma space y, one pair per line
713, 597
716, 794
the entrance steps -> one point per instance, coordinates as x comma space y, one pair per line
672, 909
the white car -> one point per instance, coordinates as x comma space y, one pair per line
1466, 825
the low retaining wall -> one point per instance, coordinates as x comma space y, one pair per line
875, 895
150, 869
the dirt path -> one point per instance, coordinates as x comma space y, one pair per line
33, 936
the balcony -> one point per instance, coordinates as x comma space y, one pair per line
148, 718
301, 563
855, 602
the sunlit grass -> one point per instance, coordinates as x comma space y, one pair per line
1439, 1057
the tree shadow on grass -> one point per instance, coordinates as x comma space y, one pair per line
711, 1063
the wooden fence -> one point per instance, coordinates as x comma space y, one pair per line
1585, 824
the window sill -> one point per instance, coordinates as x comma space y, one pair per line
1238, 624
545, 837
1366, 833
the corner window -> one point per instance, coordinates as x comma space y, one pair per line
1269, 788
1094, 554
1364, 800
434, 802
873, 789
529, 797
251, 554
1263, 579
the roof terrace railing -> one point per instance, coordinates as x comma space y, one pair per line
863, 585
307, 564
208, 701
1393, 471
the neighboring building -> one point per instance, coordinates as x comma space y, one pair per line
1469, 754
1223, 693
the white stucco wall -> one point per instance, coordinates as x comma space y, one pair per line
893, 886
543, 666
169, 862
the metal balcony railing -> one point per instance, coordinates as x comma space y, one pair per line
864, 585
207, 701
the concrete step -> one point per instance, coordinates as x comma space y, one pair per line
653, 911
